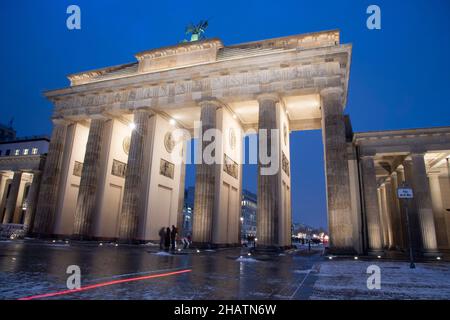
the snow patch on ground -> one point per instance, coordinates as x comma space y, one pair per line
245, 259
162, 253
303, 271
348, 280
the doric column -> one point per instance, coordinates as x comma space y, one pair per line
337, 172
438, 210
204, 180
87, 194
371, 205
11, 202
422, 199
388, 212
268, 186
3, 189
181, 193
134, 190
274, 195
395, 213
45, 211
416, 236
32, 200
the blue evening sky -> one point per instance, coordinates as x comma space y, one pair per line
399, 75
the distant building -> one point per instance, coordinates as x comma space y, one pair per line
248, 214
188, 210
7, 132
21, 163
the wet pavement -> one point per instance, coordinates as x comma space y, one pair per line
29, 268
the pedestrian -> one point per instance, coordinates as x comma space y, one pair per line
167, 239
173, 236
162, 236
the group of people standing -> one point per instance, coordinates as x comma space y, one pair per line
168, 238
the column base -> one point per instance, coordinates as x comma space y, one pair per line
79, 237
341, 251
431, 253
375, 252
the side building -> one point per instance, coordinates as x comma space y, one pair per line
21, 163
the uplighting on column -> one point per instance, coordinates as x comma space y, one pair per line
132, 126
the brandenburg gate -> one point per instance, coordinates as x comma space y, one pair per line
110, 173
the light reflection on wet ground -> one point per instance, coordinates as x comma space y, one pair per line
29, 268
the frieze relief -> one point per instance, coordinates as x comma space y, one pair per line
239, 82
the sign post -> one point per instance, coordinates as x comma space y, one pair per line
404, 193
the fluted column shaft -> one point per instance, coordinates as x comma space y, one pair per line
439, 211
32, 200
87, 194
388, 212
400, 180
371, 204
204, 181
395, 213
337, 171
423, 203
11, 202
3, 186
416, 233
46, 205
268, 185
134, 190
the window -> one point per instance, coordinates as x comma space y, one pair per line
34, 151
25, 151
1, 152
8, 152
17, 152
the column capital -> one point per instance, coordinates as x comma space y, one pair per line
61, 121
211, 101
331, 90
143, 110
367, 157
417, 153
268, 96
433, 174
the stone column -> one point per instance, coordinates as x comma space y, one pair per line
46, 205
388, 213
416, 235
3, 190
11, 202
134, 190
422, 199
371, 205
181, 193
32, 200
438, 210
337, 172
268, 186
204, 181
87, 194
381, 211
395, 213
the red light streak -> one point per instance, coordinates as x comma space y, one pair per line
104, 284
